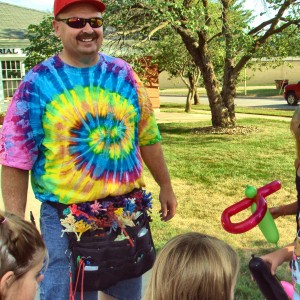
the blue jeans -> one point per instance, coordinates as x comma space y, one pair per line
56, 282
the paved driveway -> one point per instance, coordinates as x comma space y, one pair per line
275, 102
165, 117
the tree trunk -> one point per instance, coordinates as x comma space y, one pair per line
219, 112
228, 95
193, 78
229, 89
229, 78
196, 97
192, 86
188, 103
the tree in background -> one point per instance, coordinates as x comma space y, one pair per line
203, 27
43, 42
171, 56
214, 36
173, 59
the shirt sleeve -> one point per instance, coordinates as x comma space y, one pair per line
17, 146
148, 130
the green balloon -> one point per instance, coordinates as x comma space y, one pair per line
267, 226
250, 191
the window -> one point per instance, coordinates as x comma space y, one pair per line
12, 72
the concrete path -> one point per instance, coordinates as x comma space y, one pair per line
274, 102
166, 117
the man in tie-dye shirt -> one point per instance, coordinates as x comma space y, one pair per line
82, 124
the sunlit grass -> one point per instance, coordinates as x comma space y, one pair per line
210, 172
249, 90
202, 108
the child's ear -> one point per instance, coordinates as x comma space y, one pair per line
6, 281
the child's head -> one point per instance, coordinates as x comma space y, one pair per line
295, 128
194, 266
22, 258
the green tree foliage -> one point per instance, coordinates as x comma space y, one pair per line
218, 35
285, 43
171, 56
43, 42
215, 36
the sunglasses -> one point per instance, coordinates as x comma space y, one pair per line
78, 23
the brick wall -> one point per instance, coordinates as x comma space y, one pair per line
150, 77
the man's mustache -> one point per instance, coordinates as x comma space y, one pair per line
84, 36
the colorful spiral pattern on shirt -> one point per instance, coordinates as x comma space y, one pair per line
85, 128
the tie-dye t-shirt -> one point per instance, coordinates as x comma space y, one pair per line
79, 130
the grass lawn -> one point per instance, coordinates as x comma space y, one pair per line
210, 173
250, 90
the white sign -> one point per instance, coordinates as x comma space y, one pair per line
10, 51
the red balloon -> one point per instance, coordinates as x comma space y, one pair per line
250, 222
258, 214
269, 188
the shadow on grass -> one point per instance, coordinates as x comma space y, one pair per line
193, 129
175, 129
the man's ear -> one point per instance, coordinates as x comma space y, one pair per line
6, 281
55, 27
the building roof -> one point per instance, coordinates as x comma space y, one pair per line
15, 21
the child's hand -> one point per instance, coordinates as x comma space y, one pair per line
278, 257
271, 262
275, 212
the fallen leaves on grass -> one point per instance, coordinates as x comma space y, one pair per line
237, 130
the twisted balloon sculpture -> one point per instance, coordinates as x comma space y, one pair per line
260, 213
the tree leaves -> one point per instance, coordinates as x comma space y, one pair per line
43, 42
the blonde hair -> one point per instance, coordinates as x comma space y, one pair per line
194, 266
20, 245
294, 127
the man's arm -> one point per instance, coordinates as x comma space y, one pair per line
14, 184
154, 160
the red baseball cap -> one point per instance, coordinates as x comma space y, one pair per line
59, 5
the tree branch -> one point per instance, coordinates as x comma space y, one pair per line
157, 28
274, 21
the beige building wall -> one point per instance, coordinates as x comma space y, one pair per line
166, 83
266, 76
289, 70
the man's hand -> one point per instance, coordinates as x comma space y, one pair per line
168, 204
154, 159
